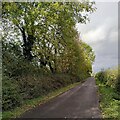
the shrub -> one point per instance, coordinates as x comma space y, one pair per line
118, 84
101, 76
11, 94
37, 85
110, 78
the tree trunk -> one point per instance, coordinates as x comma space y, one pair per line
51, 68
27, 45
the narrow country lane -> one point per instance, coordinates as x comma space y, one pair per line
79, 102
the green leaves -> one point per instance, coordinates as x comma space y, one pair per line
49, 34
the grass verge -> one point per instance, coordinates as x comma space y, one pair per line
29, 104
109, 101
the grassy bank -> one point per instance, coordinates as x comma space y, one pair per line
28, 104
109, 101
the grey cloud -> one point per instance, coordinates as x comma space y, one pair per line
101, 34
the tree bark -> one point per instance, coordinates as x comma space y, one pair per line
27, 45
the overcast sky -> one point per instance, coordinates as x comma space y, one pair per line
102, 35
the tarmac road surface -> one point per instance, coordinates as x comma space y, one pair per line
79, 102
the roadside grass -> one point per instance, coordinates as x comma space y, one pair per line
109, 101
0, 115
29, 104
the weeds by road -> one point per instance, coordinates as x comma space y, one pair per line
109, 101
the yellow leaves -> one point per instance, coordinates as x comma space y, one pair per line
15, 21
56, 5
43, 12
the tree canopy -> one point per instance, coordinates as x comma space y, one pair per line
47, 29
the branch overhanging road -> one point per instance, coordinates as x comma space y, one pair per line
79, 102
